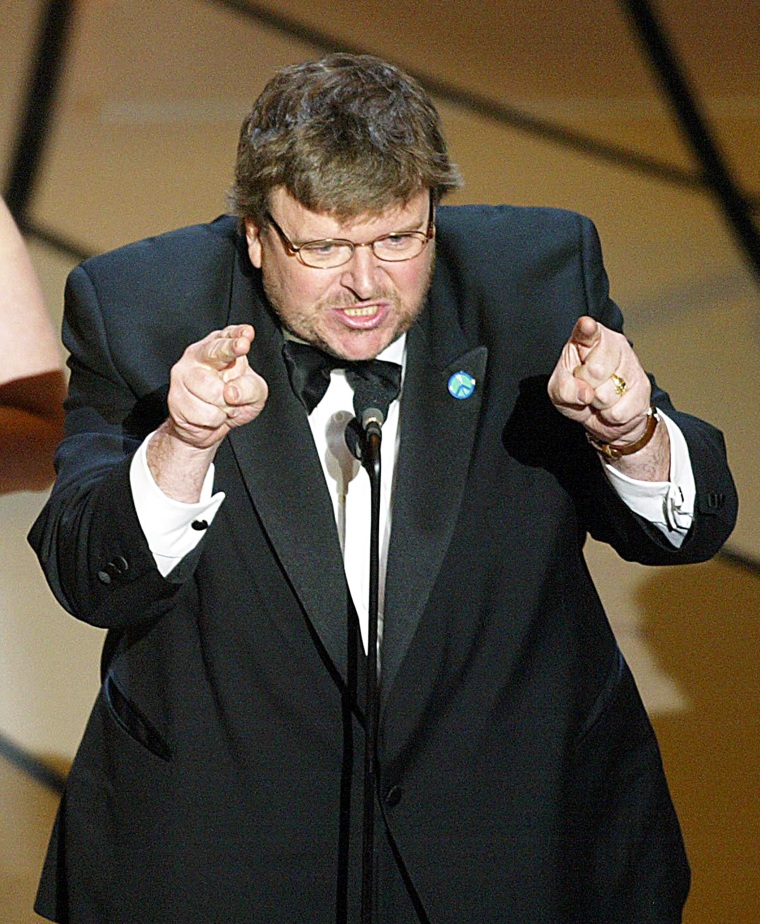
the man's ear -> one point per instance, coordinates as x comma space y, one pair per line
253, 239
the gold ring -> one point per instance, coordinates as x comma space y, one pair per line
620, 384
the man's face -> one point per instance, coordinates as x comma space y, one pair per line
355, 310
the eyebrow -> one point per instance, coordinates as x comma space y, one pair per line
425, 222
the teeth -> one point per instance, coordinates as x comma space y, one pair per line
361, 312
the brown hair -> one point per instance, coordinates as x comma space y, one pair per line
347, 135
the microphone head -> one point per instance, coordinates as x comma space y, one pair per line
372, 415
357, 431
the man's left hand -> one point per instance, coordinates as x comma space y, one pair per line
599, 382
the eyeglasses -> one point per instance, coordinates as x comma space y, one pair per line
395, 247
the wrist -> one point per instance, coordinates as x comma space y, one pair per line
613, 451
178, 468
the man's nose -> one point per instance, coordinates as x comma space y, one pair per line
360, 273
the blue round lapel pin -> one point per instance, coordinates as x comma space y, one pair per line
461, 385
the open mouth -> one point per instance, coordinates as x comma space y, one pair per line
366, 312
363, 317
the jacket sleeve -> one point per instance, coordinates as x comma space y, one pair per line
555, 265
608, 518
88, 537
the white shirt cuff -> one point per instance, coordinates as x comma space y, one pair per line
171, 527
668, 505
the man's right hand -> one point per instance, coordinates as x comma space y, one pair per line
213, 389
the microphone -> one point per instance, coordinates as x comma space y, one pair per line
361, 430
372, 421
376, 383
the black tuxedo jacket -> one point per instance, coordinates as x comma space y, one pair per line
219, 776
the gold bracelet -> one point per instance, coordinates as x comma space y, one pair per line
614, 451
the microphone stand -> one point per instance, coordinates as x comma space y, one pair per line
371, 421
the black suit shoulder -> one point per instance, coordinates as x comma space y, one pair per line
515, 223
150, 299
519, 244
518, 268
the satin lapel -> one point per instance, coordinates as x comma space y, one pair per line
283, 476
437, 435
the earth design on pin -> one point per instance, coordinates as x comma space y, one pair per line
461, 385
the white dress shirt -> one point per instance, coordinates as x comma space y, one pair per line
167, 524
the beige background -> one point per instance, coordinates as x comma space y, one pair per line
143, 140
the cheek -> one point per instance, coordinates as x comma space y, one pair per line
307, 295
413, 285
295, 299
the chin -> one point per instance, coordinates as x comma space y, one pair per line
360, 349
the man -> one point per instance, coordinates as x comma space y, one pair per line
214, 521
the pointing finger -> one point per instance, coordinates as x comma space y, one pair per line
223, 348
586, 334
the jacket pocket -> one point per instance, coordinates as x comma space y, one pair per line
133, 722
605, 699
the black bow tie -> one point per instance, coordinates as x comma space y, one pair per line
375, 382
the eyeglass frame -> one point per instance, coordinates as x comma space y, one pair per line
295, 251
